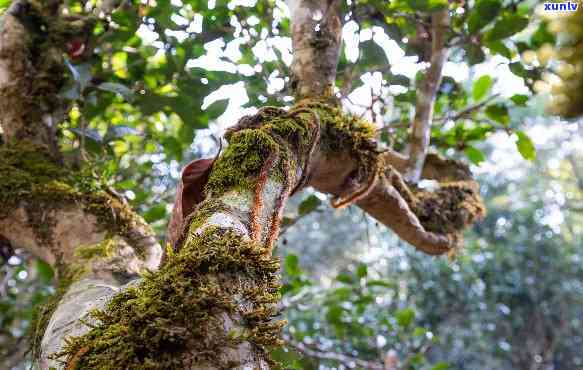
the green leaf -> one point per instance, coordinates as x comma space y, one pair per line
372, 54
481, 87
380, 283
217, 108
334, 314
155, 213
345, 278
399, 80
310, 204
475, 54
89, 133
81, 74
4, 3
519, 99
292, 265
172, 147
499, 113
483, 13
518, 69
419, 332
542, 36
45, 271
118, 132
506, 26
525, 146
361, 271
440, 366
405, 317
120, 89
475, 155
498, 47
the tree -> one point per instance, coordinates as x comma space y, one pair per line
212, 302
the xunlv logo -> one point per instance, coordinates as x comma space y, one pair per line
561, 7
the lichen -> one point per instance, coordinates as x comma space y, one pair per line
172, 312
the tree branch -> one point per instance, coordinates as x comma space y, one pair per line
426, 95
346, 360
467, 111
316, 37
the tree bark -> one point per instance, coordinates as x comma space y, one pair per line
213, 303
316, 36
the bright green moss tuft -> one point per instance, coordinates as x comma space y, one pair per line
239, 165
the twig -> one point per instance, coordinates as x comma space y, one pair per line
468, 110
346, 360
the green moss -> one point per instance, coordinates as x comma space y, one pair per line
28, 176
289, 134
241, 162
99, 250
151, 325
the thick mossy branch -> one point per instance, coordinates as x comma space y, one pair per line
29, 177
172, 312
340, 130
241, 162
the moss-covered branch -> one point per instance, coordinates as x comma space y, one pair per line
213, 302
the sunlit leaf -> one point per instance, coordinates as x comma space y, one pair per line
475, 155
506, 26
481, 87
525, 146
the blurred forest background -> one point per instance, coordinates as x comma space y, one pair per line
163, 81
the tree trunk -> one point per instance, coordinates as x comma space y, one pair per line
213, 302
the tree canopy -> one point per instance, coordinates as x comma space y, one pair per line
139, 89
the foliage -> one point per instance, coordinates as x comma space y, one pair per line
155, 87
